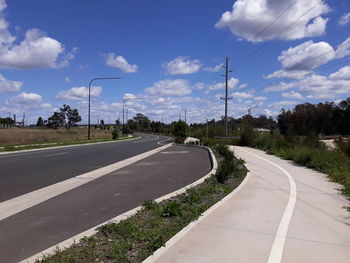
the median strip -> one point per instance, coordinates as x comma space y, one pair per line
20, 203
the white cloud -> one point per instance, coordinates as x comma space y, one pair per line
182, 65
260, 98
241, 95
306, 56
342, 74
232, 83
27, 101
344, 19
292, 95
291, 74
316, 86
301, 60
199, 86
282, 86
282, 104
343, 49
249, 18
79, 93
216, 68
7, 86
120, 62
177, 87
35, 51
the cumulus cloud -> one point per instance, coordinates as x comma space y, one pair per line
253, 19
177, 87
301, 60
216, 68
79, 93
344, 19
317, 86
36, 50
282, 104
27, 101
182, 65
292, 95
120, 62
306, 56
7, 86
260, 98
232, 84
241, 95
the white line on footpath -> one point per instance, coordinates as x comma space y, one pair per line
20, 203
278, 244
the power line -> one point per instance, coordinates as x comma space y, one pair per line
265, 47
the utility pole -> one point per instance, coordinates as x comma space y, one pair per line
185, 115
226, 98
207, 130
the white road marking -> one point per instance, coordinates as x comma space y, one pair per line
163, 141
20, 203
55, 154
278, 244
171, 152
148, 140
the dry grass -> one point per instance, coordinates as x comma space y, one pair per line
18, 136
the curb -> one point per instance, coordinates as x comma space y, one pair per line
66, 146
72, 240
172, 241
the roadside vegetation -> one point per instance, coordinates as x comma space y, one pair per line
136, 238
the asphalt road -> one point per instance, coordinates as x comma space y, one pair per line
24, 172
48, 223
282, 213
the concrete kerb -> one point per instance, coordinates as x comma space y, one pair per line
66, 146
70, 241
171, 242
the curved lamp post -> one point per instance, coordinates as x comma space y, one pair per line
89, 100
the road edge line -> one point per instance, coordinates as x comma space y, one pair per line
70, 241
17, 204
276, 251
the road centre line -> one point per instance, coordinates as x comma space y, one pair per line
148, 140
276, 251
55, 154
20, 203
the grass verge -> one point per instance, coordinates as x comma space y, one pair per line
136, 238
335, 163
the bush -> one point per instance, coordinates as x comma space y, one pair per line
115, 134
179, 139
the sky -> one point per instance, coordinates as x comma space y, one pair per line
170, 56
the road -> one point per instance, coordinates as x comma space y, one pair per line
24, 172
63, 216
283, 212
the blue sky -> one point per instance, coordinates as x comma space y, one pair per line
169, 53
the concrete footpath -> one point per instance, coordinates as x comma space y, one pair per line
281, 213
70, 213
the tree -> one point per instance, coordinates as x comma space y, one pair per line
180, 129
55, 121
40, 122
70, 116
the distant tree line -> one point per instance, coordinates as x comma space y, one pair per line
326, 118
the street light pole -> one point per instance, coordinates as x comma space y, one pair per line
127, 99
90, 99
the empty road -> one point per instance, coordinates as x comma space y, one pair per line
50, 221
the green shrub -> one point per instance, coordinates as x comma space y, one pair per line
115, 134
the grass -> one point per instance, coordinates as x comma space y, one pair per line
136, 238
305, 151
33, 138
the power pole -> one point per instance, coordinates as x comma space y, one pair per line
226, 98
185, 115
